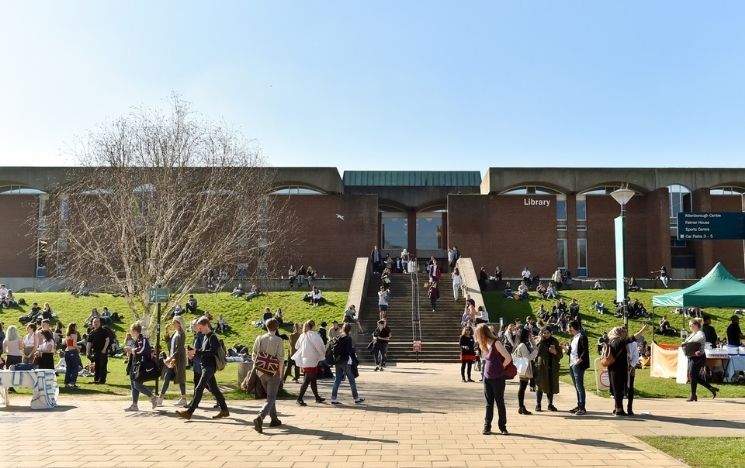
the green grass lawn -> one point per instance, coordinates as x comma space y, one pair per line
238, 313
596, 324
701, 451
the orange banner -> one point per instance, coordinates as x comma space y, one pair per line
664, 361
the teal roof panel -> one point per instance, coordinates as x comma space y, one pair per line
412, 178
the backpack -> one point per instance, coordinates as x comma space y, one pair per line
332, 353
221, 356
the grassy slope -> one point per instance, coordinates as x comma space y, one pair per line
701, 451
238, 313
596, 324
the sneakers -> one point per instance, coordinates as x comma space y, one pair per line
359, 401
182, 402
154, 401
580, 412
377, 368
320, 400
132, 408
574, 410
335, 401
159, 401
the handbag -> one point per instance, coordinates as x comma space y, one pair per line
521, 364
266, 363
145, 370
510, 371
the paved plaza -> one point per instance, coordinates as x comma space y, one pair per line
416, 415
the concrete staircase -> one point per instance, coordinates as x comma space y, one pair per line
440, 330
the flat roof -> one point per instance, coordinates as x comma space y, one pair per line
412, 178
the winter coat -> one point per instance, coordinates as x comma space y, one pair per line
547, 366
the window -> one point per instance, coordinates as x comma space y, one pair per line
581, 257
429, 230
561, 253
581, 208
680, 200
530, 190
561, 208
727, 191
395, 230
296, 190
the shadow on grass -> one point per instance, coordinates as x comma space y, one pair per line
583, 442
321, 434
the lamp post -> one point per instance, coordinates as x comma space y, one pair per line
622, 196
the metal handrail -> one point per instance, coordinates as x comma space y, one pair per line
416, 320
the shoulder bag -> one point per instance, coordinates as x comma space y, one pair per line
608, 358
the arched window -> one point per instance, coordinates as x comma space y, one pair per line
727, 191
296, 190
530, 190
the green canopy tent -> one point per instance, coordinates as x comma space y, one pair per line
717, 289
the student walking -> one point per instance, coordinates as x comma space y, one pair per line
434, 294
694, 350
457, 283
269, 344
346, 361
175, 363
208, 360
381, 337
496, 358
139, 354
310, 352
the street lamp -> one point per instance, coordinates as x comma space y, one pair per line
622, 196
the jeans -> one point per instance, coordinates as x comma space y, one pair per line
72, 364
171, 374
290, 364
494, 393
271, 383
341, 371
578, 379
380, 349
207, 380
137, 388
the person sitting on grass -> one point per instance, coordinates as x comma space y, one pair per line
541, 290
238, 291
508, 294
599, 307
267, 314
191, 304
177, 310
633, 285
551, 292
253, 293
222, 326
542, 313
278, 317
316, 298
598, 285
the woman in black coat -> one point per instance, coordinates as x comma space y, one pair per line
618, 372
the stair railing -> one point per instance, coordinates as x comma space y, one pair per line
416, 320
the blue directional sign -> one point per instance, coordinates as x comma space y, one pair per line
711, 226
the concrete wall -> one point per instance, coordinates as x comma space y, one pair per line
502, 230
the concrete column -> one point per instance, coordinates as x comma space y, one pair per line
658, 231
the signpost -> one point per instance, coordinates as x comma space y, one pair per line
711, 226
158, 296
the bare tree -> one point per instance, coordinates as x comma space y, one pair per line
162, 199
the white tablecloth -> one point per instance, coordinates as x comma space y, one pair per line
42, 381
733, 363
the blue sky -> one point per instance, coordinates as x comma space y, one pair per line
390, 84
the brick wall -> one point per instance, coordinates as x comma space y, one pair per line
325, 242
502, 230
17, 249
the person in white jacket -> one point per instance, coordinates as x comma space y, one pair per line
524, 350
310, 352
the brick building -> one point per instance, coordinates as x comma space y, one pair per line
511, 217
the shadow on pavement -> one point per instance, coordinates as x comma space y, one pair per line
585, 442
323, 435
386, 409
27, 409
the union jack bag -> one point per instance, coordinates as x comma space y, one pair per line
266, 363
